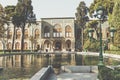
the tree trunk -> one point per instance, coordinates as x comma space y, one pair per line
13, 40
22, 39
82, 38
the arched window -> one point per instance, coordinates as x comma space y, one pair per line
26, 34
25, 46
9, 36
18, 34
68, 45
17, 46
68, 31
9, 46
37, 34
46, 31
57, 31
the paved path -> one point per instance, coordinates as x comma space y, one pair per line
75, 73
73, 76
77, 76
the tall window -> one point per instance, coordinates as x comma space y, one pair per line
68, 31
26, 34
17, 46
25, 46
18, 34
37, 34
9, 46
57, 31
46, 31
9, 36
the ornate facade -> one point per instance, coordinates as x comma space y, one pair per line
49, 34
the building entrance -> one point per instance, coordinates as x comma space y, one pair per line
58, 46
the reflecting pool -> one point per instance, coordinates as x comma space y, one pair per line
23, 67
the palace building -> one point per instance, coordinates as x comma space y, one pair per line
49, 34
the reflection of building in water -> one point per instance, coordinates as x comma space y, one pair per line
9, 61
25, 61
1, 61
17, 60
73, 60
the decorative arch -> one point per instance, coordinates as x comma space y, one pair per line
68, 45
9, 35
68, 31
47, 31
1, 45
17, 46
25, 45
58, 45
37, 33
9, 46
26, 34
18, 34
47, 45
57, 31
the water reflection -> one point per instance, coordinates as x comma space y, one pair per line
25, 66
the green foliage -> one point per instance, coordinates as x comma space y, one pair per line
9, 11
112, 47
3, 21
23, 11
104, 72
115, 22
81, 14
92, 45
107, 4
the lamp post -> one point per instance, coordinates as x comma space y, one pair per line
90, 33
100, 14
112, 31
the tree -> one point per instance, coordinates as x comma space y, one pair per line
81, 19
93, 24
3, 21
10, 12
115, 22
107, 4
23, 13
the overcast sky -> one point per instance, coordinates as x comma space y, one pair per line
52, 8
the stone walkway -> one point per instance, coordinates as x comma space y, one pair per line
73, 76
75, 73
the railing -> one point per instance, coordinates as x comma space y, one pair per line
43, 73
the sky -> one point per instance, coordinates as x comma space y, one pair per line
51, 8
